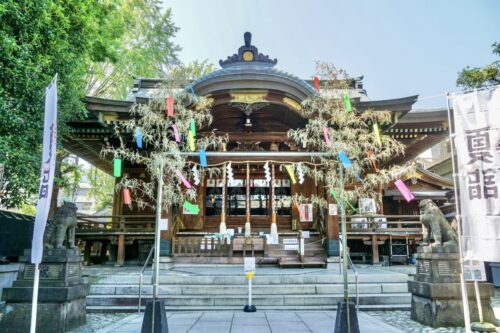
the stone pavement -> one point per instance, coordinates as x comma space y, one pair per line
241, 322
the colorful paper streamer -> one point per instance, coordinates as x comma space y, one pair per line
334, 194
193, 127
138, 137
350, 205
327, 137
347, 103
301, 213
345, 160
183, 179
376, 131
203, 158
191, 141
117, 167
176, 133
405, 191
289, 168
196, 175
316, 83
359, 178
192, 208
170, 106
127, 198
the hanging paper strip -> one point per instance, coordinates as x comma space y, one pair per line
191, 141
334, 194
183, 179
267, 172
191, 208
350, 205
327, 138
193, 127
405, 191
203, 158
138, 137
359, 178
301, 213
127, 198
117, 167
345, 160
377, 134
170, 106
176, 133
289, 168
347, 103
300, 174
374, 164
196, 175
316, 83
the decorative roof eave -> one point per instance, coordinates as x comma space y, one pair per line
97, 104
403, 104
432, 115
430, 177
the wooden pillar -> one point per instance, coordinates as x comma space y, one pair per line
332, 228
375, 253
104, 251
87, 252
117, 211
120, 260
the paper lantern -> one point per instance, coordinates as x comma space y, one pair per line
127, 198
170, 106
117, 167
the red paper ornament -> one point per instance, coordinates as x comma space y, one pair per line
170, 106
127, 198
316, 83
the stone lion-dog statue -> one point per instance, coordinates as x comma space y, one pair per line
436, 225
64, 221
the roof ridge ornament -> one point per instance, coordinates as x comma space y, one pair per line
248, 54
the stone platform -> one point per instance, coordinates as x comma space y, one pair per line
436, 293
61, 297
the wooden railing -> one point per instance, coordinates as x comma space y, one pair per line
115, 225
384, 225
200, 247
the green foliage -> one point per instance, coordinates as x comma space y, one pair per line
101, 188
349, 132
37, 40
480, 77
144, 48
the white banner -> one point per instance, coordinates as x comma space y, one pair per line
47, 174
477, 129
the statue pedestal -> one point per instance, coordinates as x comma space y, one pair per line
436, 294
61, 296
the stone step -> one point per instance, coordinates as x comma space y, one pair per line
297, 289
258, 300
363, 307
120, 279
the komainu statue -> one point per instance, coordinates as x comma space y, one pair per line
55, 231
436, 225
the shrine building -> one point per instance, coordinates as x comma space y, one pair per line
256, 104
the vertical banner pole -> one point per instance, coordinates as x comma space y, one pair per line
344, 244
157, 243
35, 300
465, 299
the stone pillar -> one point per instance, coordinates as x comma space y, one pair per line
436, 299
61, 296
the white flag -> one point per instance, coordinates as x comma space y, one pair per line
47, 174
477, 129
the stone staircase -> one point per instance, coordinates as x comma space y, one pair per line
319, 289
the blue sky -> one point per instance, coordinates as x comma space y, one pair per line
401, 47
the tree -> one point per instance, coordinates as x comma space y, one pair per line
479, 77
101, 187
144, 48
37, 40
350, 132
162, 157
